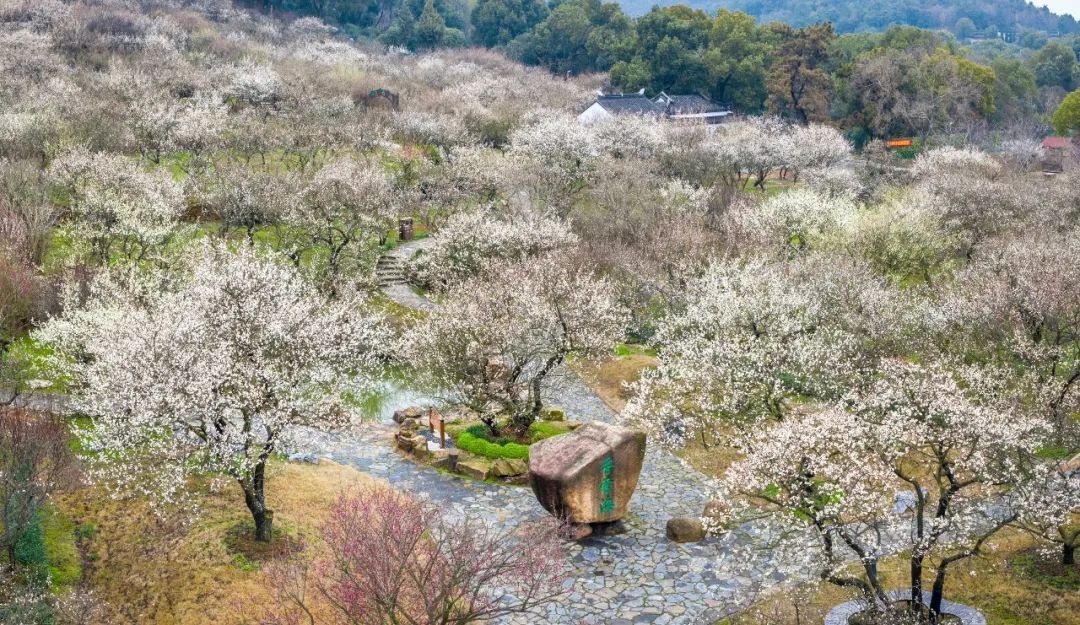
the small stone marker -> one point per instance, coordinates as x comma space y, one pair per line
589, 474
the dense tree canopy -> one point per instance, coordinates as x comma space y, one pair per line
497, 22
858, 15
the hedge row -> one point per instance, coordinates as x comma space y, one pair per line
474, 440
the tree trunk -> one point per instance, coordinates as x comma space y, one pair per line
523, 419
937, 594
255, 498
1068, 553
916, 583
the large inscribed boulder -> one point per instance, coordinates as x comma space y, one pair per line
589, 474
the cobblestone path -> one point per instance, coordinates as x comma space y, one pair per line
636, 577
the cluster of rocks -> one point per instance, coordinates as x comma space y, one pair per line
692, 529
410, 438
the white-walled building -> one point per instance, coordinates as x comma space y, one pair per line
663, 106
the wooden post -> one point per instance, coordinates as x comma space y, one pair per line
436, 418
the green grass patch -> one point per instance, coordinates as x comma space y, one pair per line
623, 350
34, 368
1051, 573
61, 549
546, 429
1055, 452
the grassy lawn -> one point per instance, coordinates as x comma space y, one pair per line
1013, 585
151, 570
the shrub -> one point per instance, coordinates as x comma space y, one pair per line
476, 440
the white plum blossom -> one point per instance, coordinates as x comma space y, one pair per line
628, 136
471, 239
753, 340
429, 129
967, 190
1020, 300
799, 219
1022, 154
817, 146
254, 83
963, 460
119, 209
558, 143
347, 208
192, 124
500, 334
207, 373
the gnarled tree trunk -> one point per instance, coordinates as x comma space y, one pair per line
255, 498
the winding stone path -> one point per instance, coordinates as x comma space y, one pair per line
636, 577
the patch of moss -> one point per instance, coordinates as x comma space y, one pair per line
61, 549
1046, 572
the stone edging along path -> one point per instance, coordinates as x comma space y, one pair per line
968, 616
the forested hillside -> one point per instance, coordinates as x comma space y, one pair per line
964, 17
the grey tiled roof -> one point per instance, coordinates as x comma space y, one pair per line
688, 104
629, 104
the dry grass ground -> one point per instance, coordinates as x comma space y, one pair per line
1015, 584
609, 380
151, 573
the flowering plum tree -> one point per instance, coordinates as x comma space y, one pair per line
752, 337
1051, 511
1019, 301
345, 210
473, 238
393, 559
208, 373
501, 333
562, 150
969, 193
961, 457
244, 198
121, 212
799, 219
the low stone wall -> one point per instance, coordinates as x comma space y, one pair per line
968, 615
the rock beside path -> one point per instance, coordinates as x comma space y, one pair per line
685, 529
589, 474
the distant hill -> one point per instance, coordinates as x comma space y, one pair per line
986, 16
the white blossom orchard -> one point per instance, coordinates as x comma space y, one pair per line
122, 210
345, 210
211, 374
472, 238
